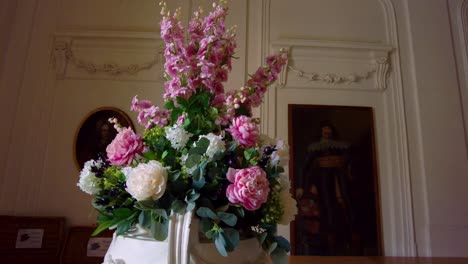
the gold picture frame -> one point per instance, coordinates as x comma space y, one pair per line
95, 132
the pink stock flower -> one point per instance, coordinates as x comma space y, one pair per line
244, 131
250, 187
148, 114
123, 148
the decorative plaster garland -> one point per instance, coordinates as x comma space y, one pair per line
331, 78
381, 70
63, 54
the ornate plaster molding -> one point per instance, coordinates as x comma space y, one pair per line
63, 55
377, 56
381, 70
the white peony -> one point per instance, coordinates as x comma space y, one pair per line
287, 201
147, 180
87, 182
216, 144
178, 136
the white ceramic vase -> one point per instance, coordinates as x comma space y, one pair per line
182, 246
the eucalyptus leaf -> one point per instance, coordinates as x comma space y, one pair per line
240, 211
206, 225
283, 243
272, 247
206, 212
123, 227
190, 206
198, 184
210, 234
162, 213
221, 245
174, 175
227, 218
146, 204
144, 219
178, 206
159, 230
261, 237
232, 238
192, 160
203, 143
192, 196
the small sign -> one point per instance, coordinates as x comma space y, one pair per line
29, 238
97, 246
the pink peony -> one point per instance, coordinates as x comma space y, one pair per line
244, 131
250, 187
123, 148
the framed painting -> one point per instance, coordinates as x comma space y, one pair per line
335, 181
95, 133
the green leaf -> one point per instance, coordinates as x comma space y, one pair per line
162, 213
128, 201
178, 206
159, 230
150, 155
203, 143
164, 154
122, 213
192, 196
206, 212
192, 160
123, 227
232, 238
103, 226
190, 206
283, 243
221, 245
198, 184
227, 218
206, 225
261, 237
211, 233
182, 102
146, 204
272, 247
144, 219
174, 175
169, 105
240, 211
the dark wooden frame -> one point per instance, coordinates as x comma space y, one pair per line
75, 248
309, 110
52, 240
86, 135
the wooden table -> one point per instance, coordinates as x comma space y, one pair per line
374, 260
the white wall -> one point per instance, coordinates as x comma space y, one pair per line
419, 106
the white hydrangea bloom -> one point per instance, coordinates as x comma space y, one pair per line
287, 201
216, 144
178, 136
281, 155
87, 182
126, 170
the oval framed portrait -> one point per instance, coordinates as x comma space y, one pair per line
95, 133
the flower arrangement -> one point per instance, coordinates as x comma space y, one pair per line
202, 151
